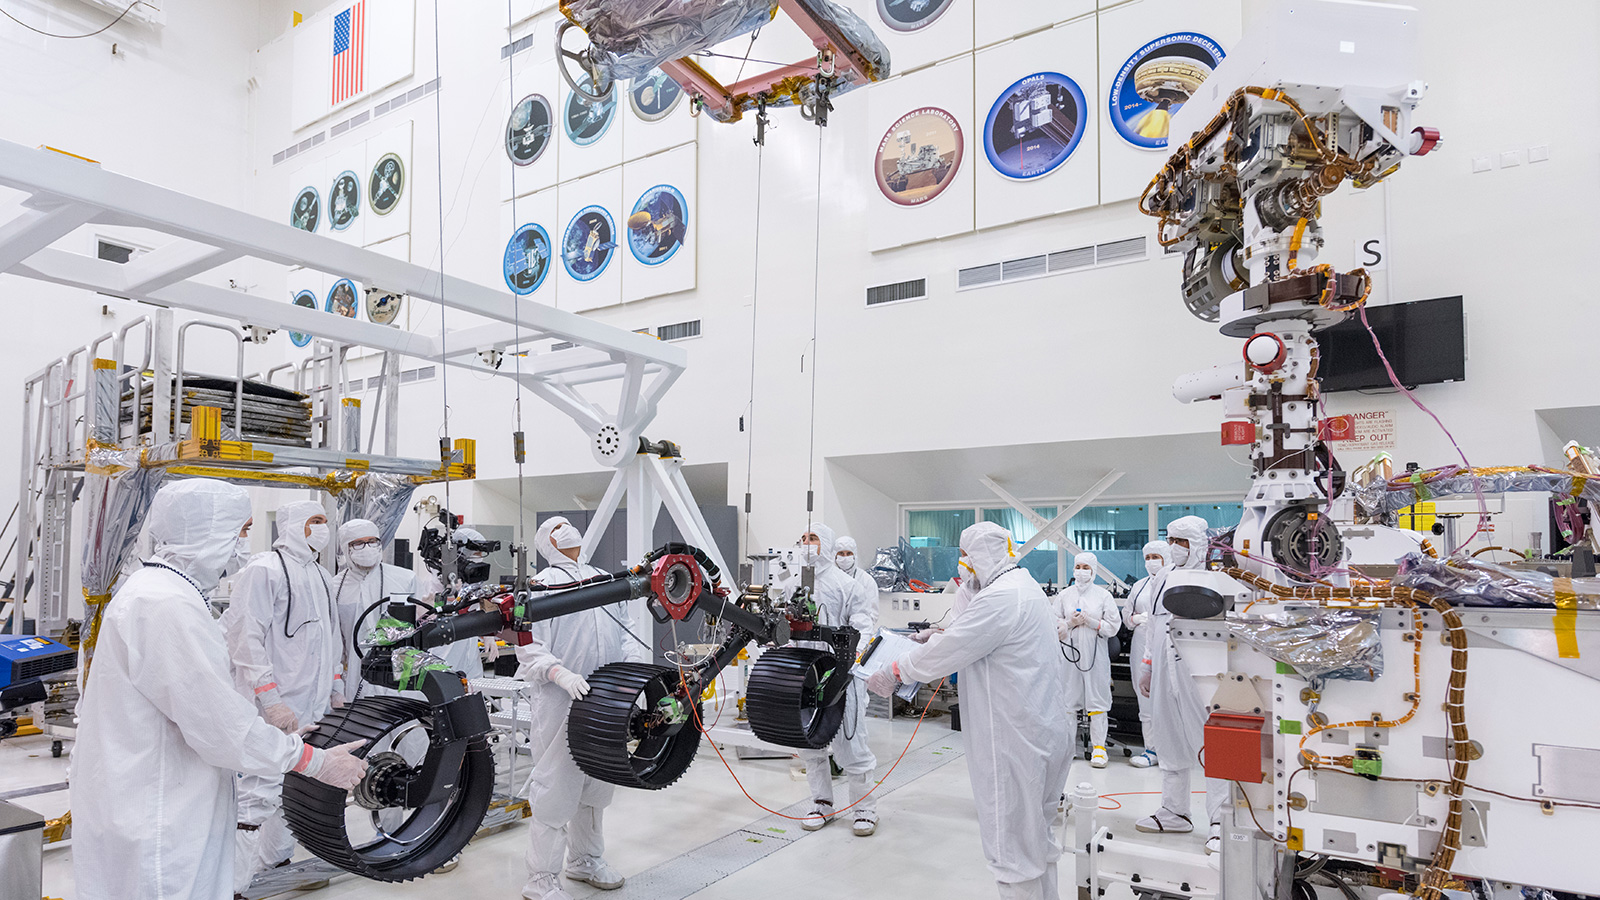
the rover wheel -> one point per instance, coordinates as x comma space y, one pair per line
379, 837
785, 697
632, 729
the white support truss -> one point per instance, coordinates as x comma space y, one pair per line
1055, 529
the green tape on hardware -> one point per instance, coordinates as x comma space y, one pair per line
1286, 669
1289, 726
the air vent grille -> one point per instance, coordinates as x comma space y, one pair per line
915, 289
356, 121
1077, 259
979, 276
679, 331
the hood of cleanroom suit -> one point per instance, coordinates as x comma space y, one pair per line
846, 545
554, 535
990, 550
352, 531
292, 519
823, 560
1012, 683
194, 525
1194, 530
161, 730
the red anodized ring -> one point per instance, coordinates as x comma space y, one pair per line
658, 583
1271, 365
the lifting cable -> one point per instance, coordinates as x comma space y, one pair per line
816, 294
519, 449
445, 449
755, 285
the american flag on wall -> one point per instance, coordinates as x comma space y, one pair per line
349, 39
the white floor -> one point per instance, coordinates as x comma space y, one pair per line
926, 846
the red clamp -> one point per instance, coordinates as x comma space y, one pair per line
508, 614
1430, 139
676, 581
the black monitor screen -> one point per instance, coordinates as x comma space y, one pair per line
1425, 341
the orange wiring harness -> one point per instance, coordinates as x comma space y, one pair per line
1437, 876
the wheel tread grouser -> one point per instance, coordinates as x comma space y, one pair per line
598, 729
316, 811
773, 700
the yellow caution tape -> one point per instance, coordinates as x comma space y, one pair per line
1566, 619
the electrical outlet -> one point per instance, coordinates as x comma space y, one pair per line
916, 603
1510, 158
1539, 153
1481, 164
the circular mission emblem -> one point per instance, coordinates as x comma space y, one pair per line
1034, 125
1154, 83
919, 156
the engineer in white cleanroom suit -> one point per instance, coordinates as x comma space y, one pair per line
1086, 620
161, 729
564, 828
1136, 612
1018, 745
841, 600
364, 579
1179, 715
283, 634
849, 562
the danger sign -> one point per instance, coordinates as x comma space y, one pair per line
1370, 432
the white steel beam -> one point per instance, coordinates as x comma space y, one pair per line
1055, 529
55, 178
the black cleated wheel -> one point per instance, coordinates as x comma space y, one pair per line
632, 730
377, 836
784, 698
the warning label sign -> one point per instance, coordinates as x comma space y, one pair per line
1374, 432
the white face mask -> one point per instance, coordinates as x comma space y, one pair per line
1083, 576
810, 555
241, 552
845, 561
1152, 566
367, 555
1180, 554
969, 575
318, 538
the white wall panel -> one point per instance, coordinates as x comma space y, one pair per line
397, 221
1126, 168
916, 32
590, 132
655, 115
1000, 21
590, 273
943, 89
535, 209
540, 142
659, 257
1053, 165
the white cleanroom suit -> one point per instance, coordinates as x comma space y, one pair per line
1179, 718
283, 635
1136, 612
850, 564
161, 729
1086, 619
1004, 645
564, 828
364, 579
842, 600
